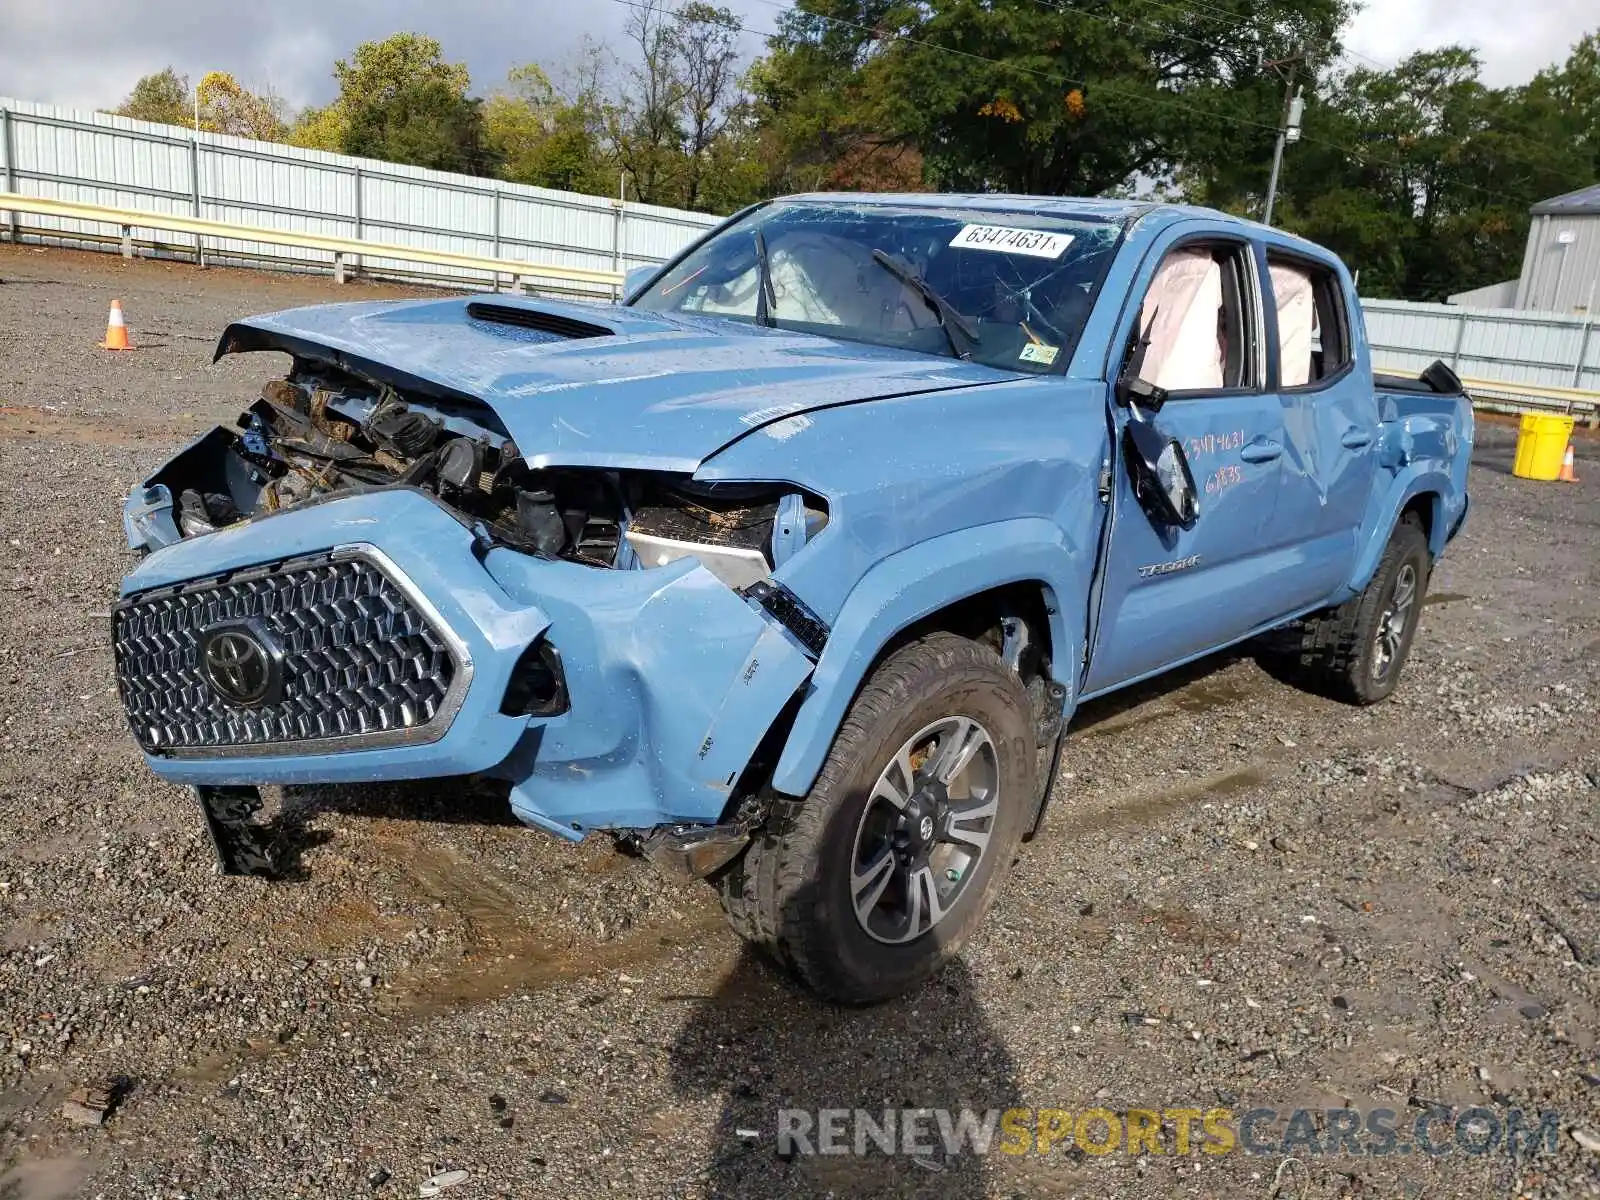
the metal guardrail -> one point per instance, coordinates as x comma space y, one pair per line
1500, 396
346, 252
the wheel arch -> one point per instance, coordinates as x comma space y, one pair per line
964, 582
1428, 507
1423, 494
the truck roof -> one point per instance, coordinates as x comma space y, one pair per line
1075, 206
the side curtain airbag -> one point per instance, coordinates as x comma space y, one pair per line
1297, 314
1181, 317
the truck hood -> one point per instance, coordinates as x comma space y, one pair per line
596, 385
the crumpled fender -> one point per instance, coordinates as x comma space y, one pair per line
1385, 512
674, 680
915, 583
1420, 454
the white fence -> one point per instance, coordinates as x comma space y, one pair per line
101, 159
1533, 349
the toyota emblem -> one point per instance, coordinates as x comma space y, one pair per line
241, 664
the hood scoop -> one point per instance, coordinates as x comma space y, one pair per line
554, 326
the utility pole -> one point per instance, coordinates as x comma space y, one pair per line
1288, 131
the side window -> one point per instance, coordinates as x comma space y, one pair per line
1313, 333
1196, 330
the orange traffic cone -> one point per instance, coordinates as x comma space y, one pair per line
1568, 469
116, 330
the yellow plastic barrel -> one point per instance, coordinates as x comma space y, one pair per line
1541, 445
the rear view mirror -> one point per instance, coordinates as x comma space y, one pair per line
1159, 470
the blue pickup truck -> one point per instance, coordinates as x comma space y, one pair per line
791, 569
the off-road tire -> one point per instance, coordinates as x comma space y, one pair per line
1338, 648
789, 892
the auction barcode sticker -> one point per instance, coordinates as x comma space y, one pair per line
1012, 241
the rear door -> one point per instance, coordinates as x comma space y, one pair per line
1168, 594
1330, 417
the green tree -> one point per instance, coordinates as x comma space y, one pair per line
1422, 176
706, 47
426, 123
379, 71
645, 126
1574, 90
518, 120
1028, 96
163, 97
574, 158
226, 107
821, 105
400, 101
735, 170
545, 139
320, 128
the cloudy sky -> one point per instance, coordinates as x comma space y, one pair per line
88, 53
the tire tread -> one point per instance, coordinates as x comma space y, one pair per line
770, 892
1333, 644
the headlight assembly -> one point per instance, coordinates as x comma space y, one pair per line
736, 566
740, 532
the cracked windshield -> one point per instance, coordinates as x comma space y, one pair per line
1007, 289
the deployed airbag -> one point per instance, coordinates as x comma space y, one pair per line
1181, 318
1297, 318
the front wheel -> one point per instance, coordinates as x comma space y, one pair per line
867, 885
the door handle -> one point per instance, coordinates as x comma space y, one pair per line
1356, 438
1261, 450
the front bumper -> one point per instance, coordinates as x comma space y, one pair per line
673, 679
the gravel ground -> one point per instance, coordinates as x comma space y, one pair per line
1244, 895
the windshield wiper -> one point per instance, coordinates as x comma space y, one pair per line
951, 321
766, 298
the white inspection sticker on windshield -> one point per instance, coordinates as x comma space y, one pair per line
1006, 240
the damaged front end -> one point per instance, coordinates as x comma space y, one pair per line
320, 434
417, 601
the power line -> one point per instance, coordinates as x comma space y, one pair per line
1237, 21
1382, 66
1075, 12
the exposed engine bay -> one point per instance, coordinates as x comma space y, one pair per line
322, 433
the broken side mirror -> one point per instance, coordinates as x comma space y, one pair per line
1132, 390
635, 280
1159, 470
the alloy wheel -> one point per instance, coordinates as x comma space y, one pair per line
926, 825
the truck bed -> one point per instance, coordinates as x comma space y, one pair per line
1437, 380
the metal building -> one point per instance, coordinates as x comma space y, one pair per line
1561, 266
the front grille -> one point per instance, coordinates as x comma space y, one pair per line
361, 665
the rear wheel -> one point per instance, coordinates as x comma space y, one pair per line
872, 881
1356, 652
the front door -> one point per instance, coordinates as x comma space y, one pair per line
1170, 594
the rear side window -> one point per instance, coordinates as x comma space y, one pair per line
1195, 330
1312, 325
